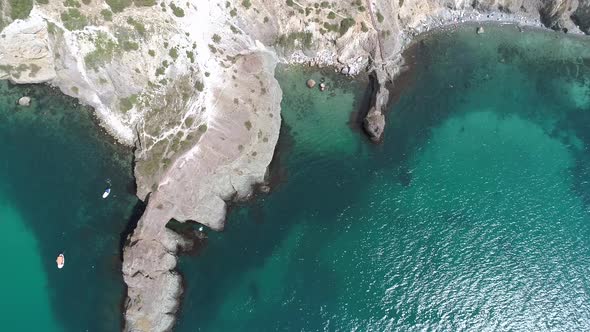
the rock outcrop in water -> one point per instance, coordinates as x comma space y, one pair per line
190, 85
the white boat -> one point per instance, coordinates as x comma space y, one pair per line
106, 193
61, 260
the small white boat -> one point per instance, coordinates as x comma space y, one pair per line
106, 193
61, 260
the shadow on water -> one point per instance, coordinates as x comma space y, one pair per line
56, 163
257, 229
136, 214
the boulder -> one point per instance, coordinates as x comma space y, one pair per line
479, 30
374, 124
322, 86
24, 101
310, 83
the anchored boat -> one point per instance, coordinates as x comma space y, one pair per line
61, 260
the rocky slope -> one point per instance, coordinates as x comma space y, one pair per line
191, 86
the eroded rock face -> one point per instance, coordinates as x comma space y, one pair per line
582, 16
229, 159
25, 54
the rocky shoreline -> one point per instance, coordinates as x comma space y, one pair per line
192, 88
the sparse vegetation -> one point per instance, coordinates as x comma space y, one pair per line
144, 3
177, 11
139, 27
191, 56
199, 86
152, 53
380, 17
73, 19
291, 40
173, 53
247, 4
20, 9
104, 50
34, 70
118, 6
364, 27
107, 14
128, 45
216, 38
72, 3
346, 24
234, 29
128, 103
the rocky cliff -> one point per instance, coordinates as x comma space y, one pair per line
190, 84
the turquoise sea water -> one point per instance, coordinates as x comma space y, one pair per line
472, 215
53, 167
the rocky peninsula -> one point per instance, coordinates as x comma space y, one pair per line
191, 86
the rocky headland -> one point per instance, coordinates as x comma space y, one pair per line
191, 86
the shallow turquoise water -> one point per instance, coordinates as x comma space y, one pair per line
472, 215
54, 165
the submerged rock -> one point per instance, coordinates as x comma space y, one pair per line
24, 101
322, 86
479, 30
310, 83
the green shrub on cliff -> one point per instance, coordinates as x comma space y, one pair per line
289, 41
118, 6
72, 3
144, 3
107, 14
20, 9
139, 27
177, 11
73, 19
128, 102
380, 17
346, 24
105, 48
